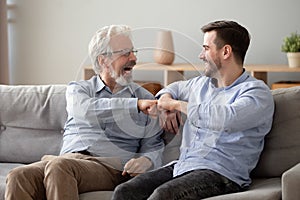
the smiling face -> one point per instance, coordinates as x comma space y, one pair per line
211, 55
121, 60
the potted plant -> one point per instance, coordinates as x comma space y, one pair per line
291, 45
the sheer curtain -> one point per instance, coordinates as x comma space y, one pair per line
4, 68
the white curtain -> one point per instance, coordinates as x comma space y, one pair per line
4, 68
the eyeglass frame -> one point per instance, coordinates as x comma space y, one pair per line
123, 52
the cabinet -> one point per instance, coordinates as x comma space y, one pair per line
176, 71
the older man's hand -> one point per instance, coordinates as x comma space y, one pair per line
137, 166
148, 107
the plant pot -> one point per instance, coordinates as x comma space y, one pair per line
293, 59
164, 49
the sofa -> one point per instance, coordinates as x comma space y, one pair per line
32, 118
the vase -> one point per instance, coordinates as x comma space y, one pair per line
293, 59
164, 48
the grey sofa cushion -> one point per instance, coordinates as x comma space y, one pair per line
98, 195
31, 121
282, 148
266, 189
263, 189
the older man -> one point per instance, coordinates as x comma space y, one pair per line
107, 139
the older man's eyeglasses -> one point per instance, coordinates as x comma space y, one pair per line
123, 52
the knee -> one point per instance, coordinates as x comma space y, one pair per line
57, 166
123, 191
162, 193
14, 174
20, 175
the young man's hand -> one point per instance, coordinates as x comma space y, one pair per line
170, 112
166, 102
170, 121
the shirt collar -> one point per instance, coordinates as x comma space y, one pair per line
242, 78
239, 80
100, 85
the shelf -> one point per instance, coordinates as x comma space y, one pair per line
285, 84
176, 71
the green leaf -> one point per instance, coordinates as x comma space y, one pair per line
291, 43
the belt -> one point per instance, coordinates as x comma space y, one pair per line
84, 152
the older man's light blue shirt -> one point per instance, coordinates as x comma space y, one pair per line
109, 124
225, 127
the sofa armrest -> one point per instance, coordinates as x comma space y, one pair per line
290, 183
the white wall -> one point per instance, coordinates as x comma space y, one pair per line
49, 38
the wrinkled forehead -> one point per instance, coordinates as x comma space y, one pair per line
120, 42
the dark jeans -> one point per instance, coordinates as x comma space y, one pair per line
160, 184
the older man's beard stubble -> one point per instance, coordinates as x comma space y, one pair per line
125, 76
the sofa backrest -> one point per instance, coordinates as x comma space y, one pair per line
282, 144
31, 121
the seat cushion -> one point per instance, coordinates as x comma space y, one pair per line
4, 169
99, 195
266, 189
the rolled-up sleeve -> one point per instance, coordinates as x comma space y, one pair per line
84, 106
238, 113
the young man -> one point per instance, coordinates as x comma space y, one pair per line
107, 139
228, 115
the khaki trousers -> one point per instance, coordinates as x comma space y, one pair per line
63, 177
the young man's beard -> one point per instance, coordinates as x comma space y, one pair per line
213, 69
